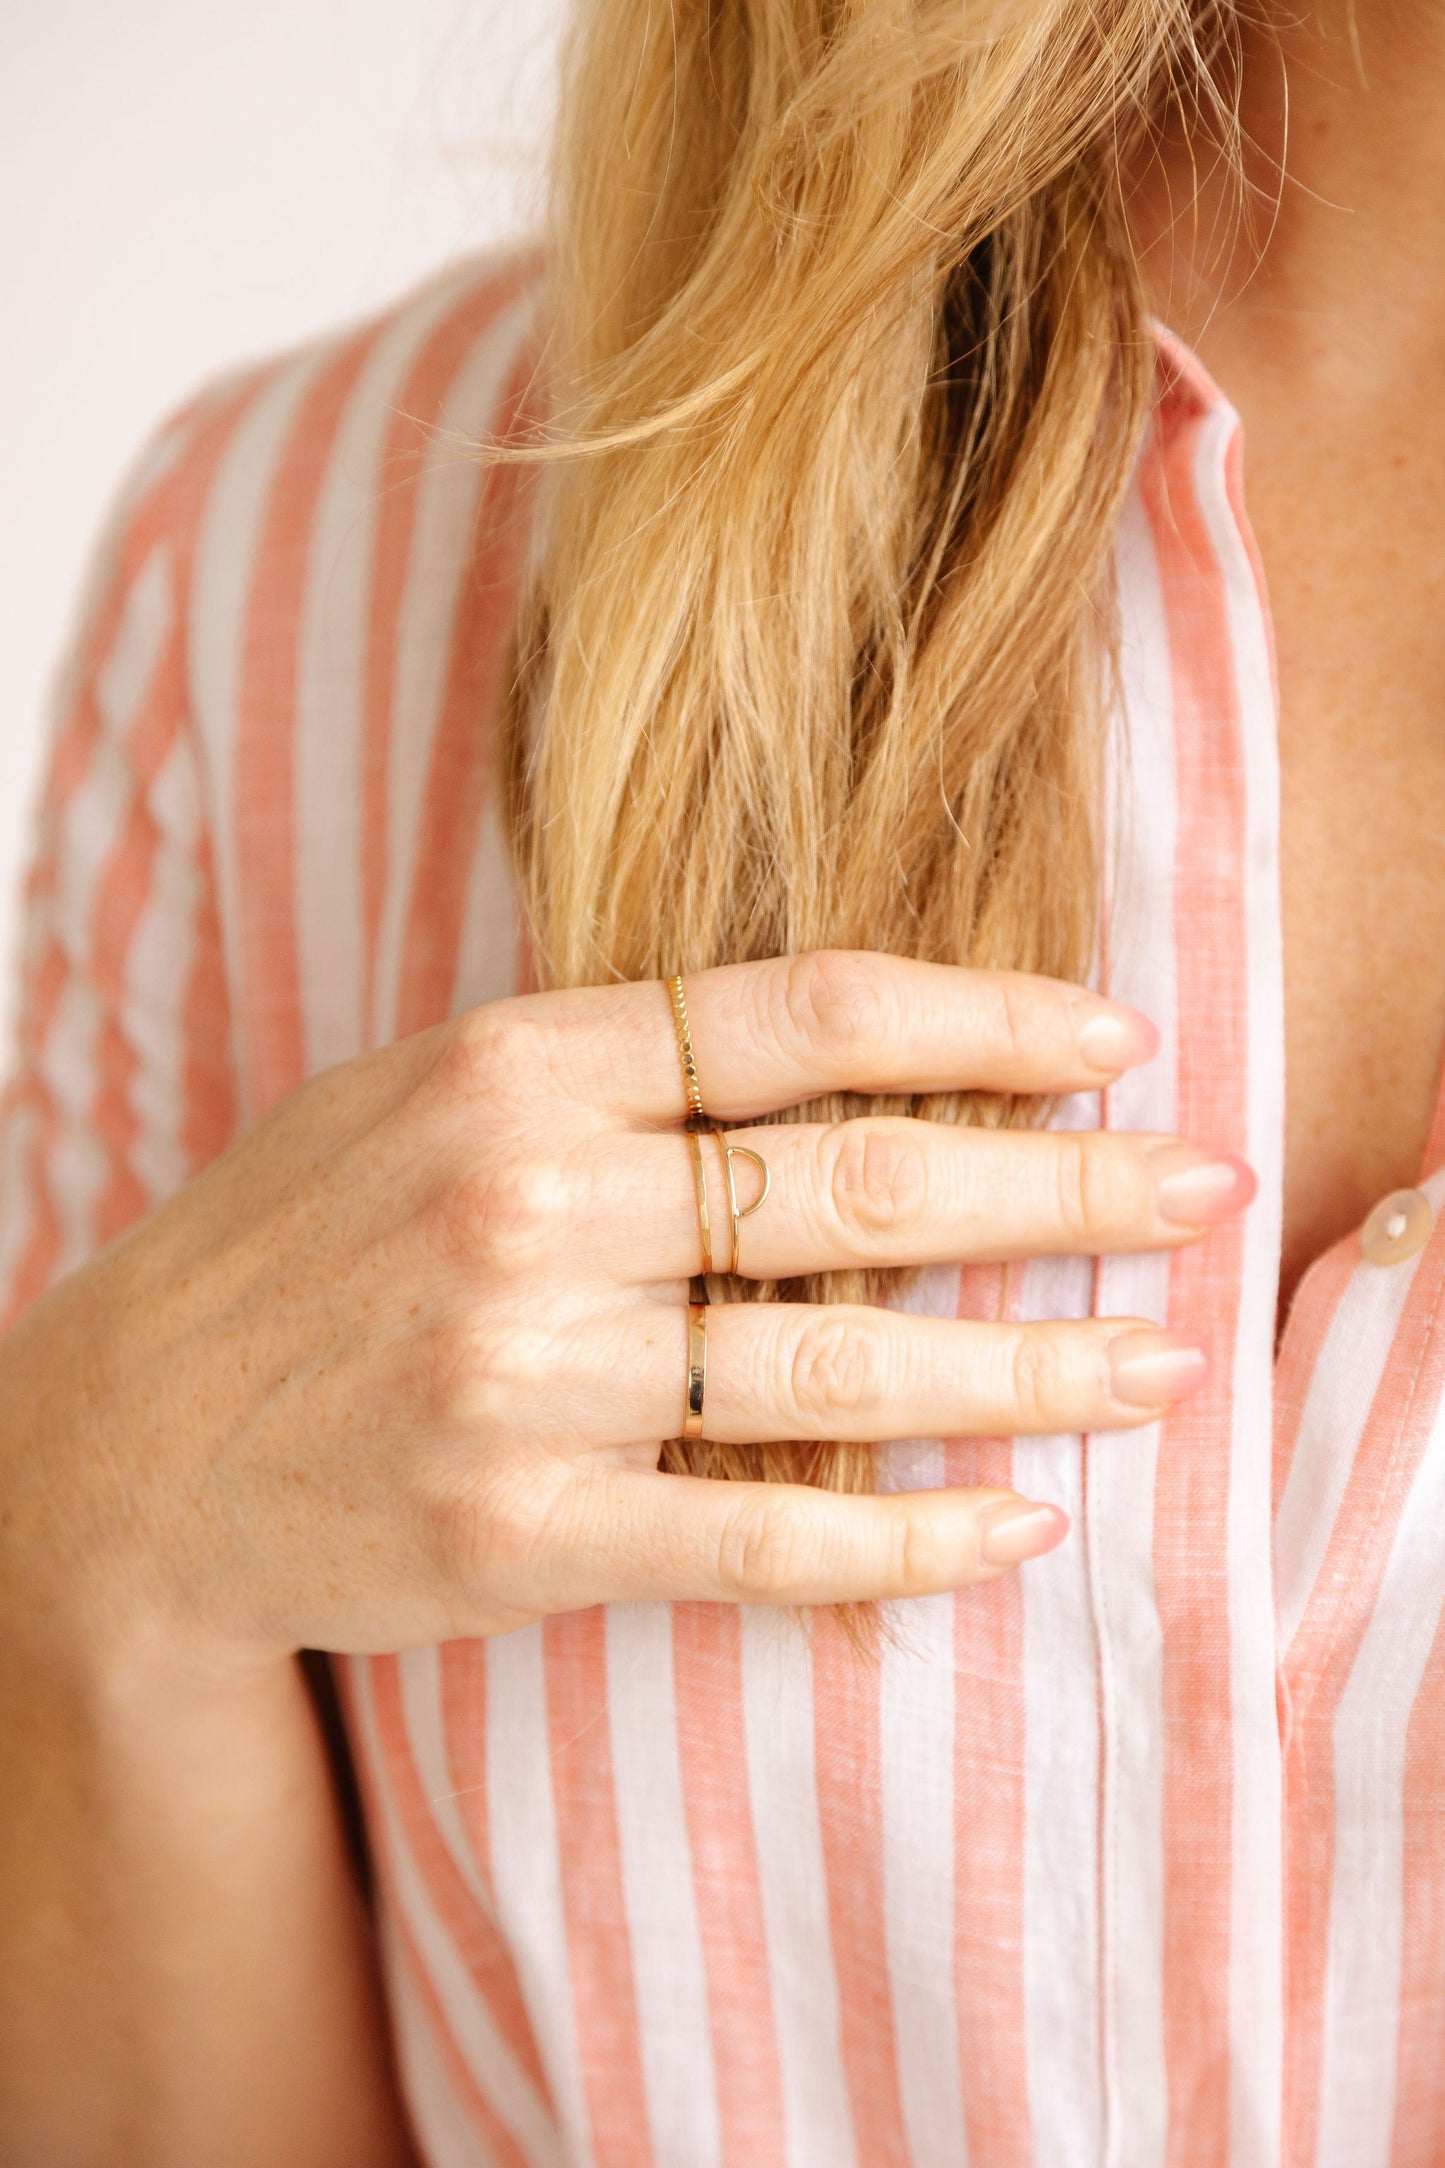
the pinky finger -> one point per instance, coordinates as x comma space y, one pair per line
640, 1536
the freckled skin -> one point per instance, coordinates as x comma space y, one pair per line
1358, 538
1332, 348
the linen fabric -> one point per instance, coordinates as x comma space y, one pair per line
1133, 1858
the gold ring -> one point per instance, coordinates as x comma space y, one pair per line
699, 1183
743, 1151
696, 1369
680, 1025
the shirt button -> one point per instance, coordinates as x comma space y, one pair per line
1399, 1227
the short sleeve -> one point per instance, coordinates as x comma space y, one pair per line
123, 1076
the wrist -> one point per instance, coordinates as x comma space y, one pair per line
111, 1691
82, 1570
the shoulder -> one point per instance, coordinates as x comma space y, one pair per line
269, 464
277, 475
343, 567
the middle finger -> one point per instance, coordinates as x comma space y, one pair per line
900, 1191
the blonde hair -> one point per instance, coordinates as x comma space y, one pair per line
843, 314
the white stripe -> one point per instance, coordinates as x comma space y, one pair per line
155, 460
1061, 1751
421, 1697
331, 685
91, 826
469, 2020
78, 1164
448, 2136
526, 1873
1371, 1741
96, 815
487, 956
17, 1199
1338, 1400
663, 1933
157, 976
1140, 939
224, 564
782, 1785
437, 565
916, 1747
124, 677
1256, 1982
916, 1739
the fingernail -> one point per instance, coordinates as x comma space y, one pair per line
1117, 1037
1013, 1533
1152, 1369
1197, 1188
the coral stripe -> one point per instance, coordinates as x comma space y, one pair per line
712, 1752
265, 751
1322, 1655
1192, 1489
402, 460
1311, 1320
846, 1747
211, 1105
166, 517
502, 2147
1419, 2134
457, 784
590, 1851
988, 1810
988, 1791
477, 1942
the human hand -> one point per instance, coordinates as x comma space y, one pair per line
398, 1367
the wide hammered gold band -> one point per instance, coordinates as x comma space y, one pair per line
681, 1026
696, 1370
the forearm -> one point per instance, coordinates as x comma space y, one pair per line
186, 1971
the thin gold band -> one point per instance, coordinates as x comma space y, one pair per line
685, 1054
730, 1152
696, 1369
699, 1183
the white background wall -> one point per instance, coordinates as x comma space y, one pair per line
184, 183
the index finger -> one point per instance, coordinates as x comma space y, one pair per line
772, 1034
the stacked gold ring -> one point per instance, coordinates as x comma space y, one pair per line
727, 1153
685, 1054
698, 1123
696, 1369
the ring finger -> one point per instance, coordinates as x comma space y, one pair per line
809, 1371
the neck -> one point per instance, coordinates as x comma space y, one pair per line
1328, 250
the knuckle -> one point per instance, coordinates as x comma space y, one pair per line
925, 1560
1014, 1023
877, 1177
1092, 1192
1037, 1378
838, 1367
488, 1371
503, 1213
494, 1053
836, 1001
1070, 1186
762, 1548
489, 1532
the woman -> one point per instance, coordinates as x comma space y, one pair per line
890, 608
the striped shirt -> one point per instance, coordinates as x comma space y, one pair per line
1135, 1857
